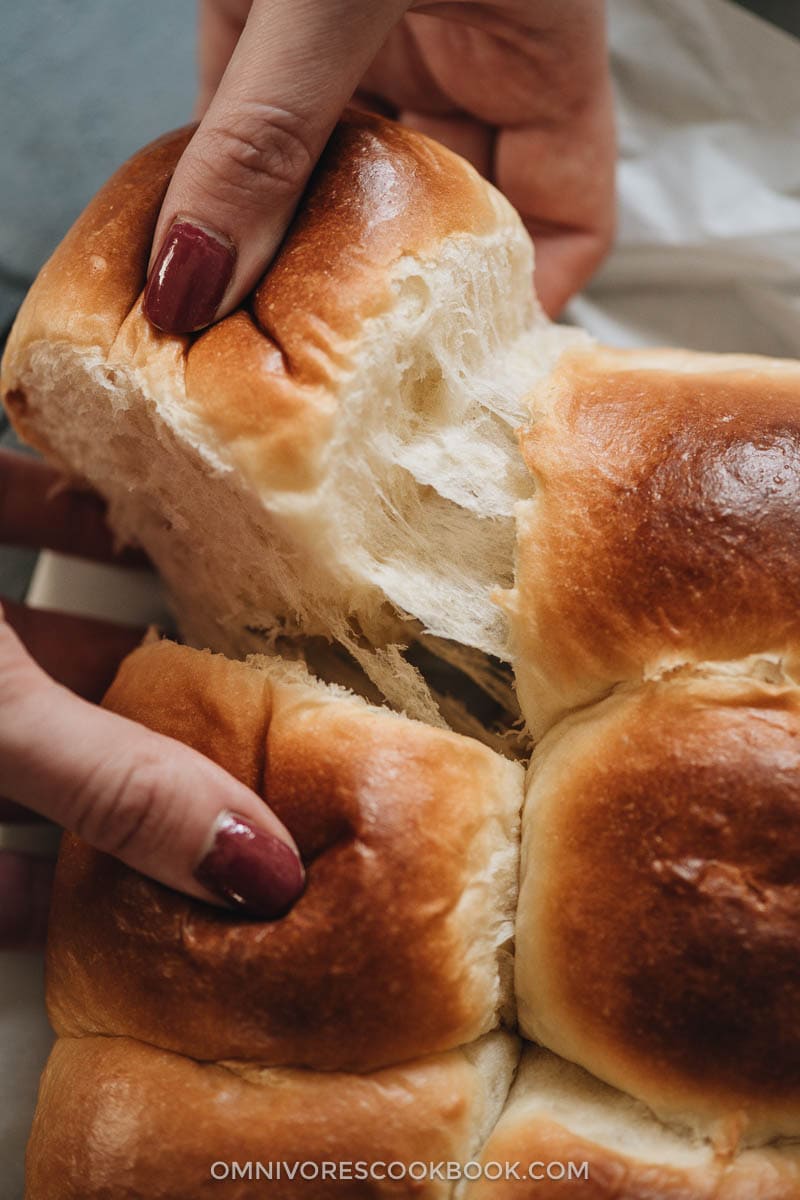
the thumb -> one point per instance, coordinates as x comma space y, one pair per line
153, 802
239, 180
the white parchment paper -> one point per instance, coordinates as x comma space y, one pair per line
708, 256
708, 250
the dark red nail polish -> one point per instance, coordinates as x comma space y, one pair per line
251, 869
188, 279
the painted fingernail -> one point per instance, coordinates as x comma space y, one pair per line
250, 868
188, 279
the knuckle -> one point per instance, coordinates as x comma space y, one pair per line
264, 150
123, 812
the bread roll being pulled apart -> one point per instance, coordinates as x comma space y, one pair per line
337, 458
400, 944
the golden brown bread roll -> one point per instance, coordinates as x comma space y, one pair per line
659, 917
665, 523
338, 457
573, 1138
120, 1120
400, 944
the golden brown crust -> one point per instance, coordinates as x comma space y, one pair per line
86, 289
392, 950
260, 380
119, 1120
658, 930
379, 192
566, 1134
541, 1144
263, 381
665, 525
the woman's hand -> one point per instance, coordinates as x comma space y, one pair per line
519, 87
153, 802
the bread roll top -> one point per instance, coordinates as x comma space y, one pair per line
665, 525
336, 459
659, 914
400, 944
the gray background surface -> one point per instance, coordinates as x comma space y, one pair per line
84, 84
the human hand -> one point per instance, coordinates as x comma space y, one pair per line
151, 801
519, 87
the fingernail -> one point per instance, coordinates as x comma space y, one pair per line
251, 869
188, 279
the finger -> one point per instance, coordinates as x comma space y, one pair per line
538, 75
561, 180
565, 261
219, 26
472, 139
37, 509
79, 652
26, 882
238, 181
557, 164
400, 77
156, 804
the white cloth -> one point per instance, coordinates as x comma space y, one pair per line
708, 249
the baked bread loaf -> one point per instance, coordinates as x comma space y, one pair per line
333, 472
658, 931
659, 917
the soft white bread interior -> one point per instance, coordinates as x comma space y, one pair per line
120, 1120
339, 457
573, 1137
401, 942
659, 915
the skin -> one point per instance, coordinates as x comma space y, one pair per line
521, 89
153, 801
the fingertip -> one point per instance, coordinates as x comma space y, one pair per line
250, 868
564, 263
190, 275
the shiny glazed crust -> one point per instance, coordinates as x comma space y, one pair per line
264, 380
665, 523
658, 923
